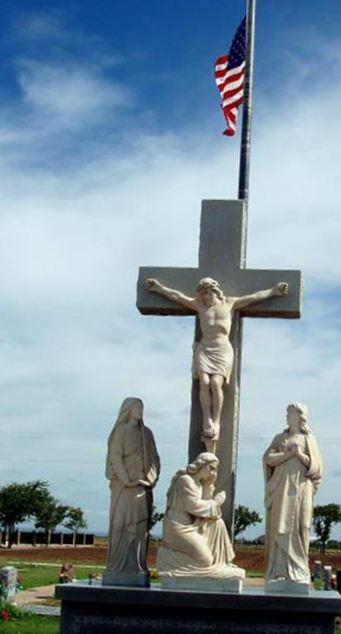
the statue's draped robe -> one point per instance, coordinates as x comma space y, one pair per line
213, 359
132, 456
289, 492
213, 354
195, 539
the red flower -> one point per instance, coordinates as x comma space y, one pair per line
5, 616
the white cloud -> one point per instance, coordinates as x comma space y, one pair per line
72, 238
72, 94
38, 26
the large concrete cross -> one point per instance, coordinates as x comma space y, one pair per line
222, 256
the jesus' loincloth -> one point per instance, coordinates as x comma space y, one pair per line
213, 359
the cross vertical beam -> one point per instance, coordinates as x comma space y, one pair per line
216, 227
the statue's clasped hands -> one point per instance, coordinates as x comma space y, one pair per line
296, 452
220, 498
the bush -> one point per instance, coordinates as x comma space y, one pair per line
27, 623
9, 611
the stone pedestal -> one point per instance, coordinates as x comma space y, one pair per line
202, 584
287, 587
99, 610
112, 578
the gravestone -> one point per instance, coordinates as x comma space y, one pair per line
327, 577
8, 581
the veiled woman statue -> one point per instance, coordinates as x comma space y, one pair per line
132, 467
196, 550
293, 469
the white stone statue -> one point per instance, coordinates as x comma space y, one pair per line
133, 467
292, 469
196, 551
213, 355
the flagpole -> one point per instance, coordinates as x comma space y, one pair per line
245, 146
243, 192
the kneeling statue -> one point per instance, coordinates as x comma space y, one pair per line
196, 552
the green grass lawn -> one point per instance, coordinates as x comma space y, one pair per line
33, 575
31, 624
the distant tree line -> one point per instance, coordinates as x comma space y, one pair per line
323, 520
243, 518
33, 501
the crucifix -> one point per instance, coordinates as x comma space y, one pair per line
222, 255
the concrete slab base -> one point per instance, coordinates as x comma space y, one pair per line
197, 584
102, 610
287, 587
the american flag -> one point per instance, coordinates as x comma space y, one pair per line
229, 73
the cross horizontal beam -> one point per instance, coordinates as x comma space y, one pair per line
240, 282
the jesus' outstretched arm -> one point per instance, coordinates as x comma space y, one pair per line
176, 296
280, 289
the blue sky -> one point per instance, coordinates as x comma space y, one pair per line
159, 55
111, 134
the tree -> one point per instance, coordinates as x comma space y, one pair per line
18, 502
49, 513
244, 517
74, 520
323, 519
155, 517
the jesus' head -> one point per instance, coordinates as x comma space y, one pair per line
208, 290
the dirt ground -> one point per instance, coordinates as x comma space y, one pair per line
56, 554
246, 557
253, 559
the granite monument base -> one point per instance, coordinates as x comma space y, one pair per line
98, 609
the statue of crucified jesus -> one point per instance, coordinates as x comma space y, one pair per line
213, 354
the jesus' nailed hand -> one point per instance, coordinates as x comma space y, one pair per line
213, 355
